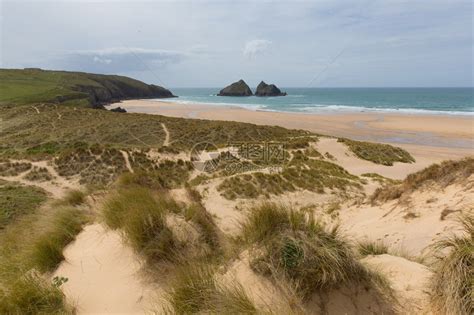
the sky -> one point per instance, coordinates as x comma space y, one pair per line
346, 43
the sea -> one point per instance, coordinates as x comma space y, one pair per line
447, 101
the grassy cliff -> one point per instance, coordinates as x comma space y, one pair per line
61, 87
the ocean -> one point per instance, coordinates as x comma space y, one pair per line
452, 101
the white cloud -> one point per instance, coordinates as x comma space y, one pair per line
102, 60
256, 47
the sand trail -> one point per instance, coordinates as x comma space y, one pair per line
104, 275
166, 142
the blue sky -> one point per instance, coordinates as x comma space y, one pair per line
212, 43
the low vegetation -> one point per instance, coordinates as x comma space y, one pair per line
452, 284
293, 245
196, 290
442, 175
378, 153
75, 197
382, 180
31, 294
47, 250
366, 248
47, 130
38, 174
140, 216
14, 168
17, 200
301, 173
32, 243
208, 228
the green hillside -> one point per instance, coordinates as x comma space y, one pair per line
61, 87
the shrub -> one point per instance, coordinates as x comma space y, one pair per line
38, 174
452, 283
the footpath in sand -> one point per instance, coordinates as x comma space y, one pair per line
104, 275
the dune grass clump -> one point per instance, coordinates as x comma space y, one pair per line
366, 248
196, 290
452, 284
75, 197
141, 217
443, 174
378, 153
294, 246
47, 249
31, 294
17, 200
208, 228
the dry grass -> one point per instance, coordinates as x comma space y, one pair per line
59, 128
442, 175
75, 197
31, 294
453, 281
140, 215
378, 153
366, 248
32, 243
17, 200
292, 245
196, 290
301, 173
47, 249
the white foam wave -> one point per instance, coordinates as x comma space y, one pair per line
319, 108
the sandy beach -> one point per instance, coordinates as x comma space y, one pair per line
442, 136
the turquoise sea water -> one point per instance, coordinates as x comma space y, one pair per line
455, 101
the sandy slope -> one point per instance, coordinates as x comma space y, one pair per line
103, 275
409, 281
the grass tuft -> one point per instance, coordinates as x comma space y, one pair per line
141, 217
31, 294
366, 248
292, 245
47, 250
196, 290
453, 281
75, 197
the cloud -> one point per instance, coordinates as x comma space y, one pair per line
120, 59
256, 47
